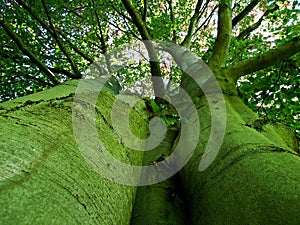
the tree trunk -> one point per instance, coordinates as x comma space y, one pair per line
44, 177
254, 179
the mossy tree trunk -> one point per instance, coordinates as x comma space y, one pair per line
44, 177
255, 177
45, 180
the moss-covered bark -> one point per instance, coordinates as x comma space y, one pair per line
44, 178
161, 203
255, 178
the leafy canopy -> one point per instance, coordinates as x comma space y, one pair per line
44, 43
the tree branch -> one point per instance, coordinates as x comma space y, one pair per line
207, 20
137, 20
62, 71
27, 52
254, 26
222, 43
273, 56
154, 64
102, 40
120, 13
245, 12
203, 10
74, 46
145, 10
172, 19
51, 32
42, 82
193, 21
60, 44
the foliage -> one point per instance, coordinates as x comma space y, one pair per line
274, 93
65, 37
163, 110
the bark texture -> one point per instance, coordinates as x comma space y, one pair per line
253, 180
44, 178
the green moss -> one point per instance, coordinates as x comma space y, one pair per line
254, 178
44, 177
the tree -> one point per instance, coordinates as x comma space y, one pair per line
254, 177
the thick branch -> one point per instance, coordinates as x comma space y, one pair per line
193, 21
273, 56
222, 43
245, 12
27, 52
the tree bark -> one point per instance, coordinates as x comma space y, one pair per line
44, 177
253, 180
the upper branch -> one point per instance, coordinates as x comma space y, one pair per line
187, 40
245, 12
145, 10
207, 20
222, 43
254, 26
51, 32
60, 44
120, 12
174, 38
158, 85
273, 56
102, 39
137, 20
27, 52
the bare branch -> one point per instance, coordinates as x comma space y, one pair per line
273, 56
27, 52
222, 43
245, 12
